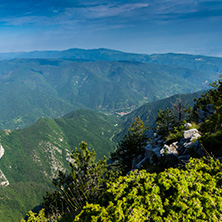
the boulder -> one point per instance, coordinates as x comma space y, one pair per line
184, 159
141, 163
187, 125
199, 149
195, 136
149, 151
171, 161
182, 141
175, 144
136, 160
188, 145
189, 133
2, 151
162, 151
156, 150
171, 149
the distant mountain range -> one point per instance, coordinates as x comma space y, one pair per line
196, 62
53, 83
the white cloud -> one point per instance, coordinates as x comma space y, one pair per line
70, 17
111, 10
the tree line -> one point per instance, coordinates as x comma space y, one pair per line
97, 191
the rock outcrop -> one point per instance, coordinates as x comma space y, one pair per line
3, 180
177, 152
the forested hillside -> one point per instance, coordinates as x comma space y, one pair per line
196, 62
53, 102
34, 155
149, 111
51, 84
156, 188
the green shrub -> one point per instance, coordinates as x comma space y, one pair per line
85, 183
174, 136
191, 194
34, 217
213, 143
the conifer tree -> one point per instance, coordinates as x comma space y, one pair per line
130, 146
85, 183
165, 121
211, 128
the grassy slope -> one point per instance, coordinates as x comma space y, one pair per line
34, 155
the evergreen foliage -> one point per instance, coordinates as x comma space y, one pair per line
191, 194
85, 183
130, 146
165, 122
211, 128
54, 87
34, 217
148, 112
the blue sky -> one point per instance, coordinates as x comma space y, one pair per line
146, 26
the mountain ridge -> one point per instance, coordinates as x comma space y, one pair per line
58, 53
54, 87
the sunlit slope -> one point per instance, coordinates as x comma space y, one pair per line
31, 88
33, 156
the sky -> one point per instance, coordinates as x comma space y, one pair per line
140, 26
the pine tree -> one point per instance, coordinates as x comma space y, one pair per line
211, 128
165, 121
85, 183
130, 146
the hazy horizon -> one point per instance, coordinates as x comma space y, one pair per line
51, 50
146, 26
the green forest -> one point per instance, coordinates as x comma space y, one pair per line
159, 188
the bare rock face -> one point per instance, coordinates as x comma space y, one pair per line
149, 147
171, 160
189, 133
3, 180
184, 158
188, 145
2, 151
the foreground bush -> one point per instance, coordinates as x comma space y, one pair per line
85, 183
191, 194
